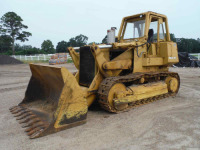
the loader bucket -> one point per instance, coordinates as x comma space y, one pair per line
53, 101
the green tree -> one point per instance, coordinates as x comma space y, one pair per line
172, 37
79, 40
11, 24
91, 43
47, 46
17, 47
5, 43
61, 47
1, 29
104, 41
188, 45
27, 50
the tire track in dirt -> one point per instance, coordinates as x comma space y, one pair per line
12, 83
13, 88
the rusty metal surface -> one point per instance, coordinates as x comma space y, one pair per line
34, 125
53, 101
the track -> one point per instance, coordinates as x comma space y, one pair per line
133, 79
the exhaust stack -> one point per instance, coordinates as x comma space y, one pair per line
111, 35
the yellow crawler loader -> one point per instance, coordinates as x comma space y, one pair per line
131, 70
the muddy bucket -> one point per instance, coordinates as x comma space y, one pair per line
53, 101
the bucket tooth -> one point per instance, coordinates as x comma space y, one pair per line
21, 113
13, 108
38, 124
27, 118
25, 126
35, 130
29, 129
32, 131
31, 122
17, 110
36, 134
17, 106
25, 115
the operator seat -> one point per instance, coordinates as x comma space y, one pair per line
150, 36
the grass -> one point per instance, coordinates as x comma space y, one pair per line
196, 55
69, 61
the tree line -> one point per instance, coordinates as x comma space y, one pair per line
12, 29
47, 46
186, 45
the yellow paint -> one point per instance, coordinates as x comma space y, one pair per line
72, 101
118, 90
75, 56
172, 84
63, 98
169, 52
152, 50
94, 86
142, 92
152, 61
115, 65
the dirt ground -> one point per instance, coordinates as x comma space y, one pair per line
171, 123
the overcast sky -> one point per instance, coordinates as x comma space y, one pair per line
59, 20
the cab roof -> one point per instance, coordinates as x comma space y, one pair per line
145, 13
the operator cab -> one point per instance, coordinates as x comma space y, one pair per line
134, 28
148, 26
